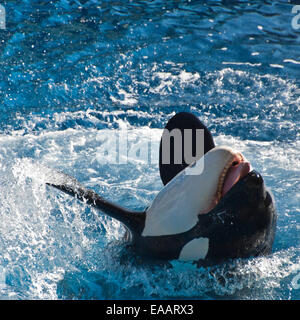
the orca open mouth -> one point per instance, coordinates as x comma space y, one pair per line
235, 169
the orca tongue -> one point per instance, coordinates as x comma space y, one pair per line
234, 174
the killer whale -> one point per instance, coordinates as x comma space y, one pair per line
240, 224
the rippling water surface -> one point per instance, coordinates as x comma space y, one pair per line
72, 72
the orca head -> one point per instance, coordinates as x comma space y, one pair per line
246, 219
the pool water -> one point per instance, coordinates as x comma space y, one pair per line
73, 73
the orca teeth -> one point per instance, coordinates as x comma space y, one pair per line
234, 160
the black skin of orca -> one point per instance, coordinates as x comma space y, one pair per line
242, 224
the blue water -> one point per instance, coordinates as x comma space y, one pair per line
74, 72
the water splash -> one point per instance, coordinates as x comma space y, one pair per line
71, 72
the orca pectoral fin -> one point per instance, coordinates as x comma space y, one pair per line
133, 220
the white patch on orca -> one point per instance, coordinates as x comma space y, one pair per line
195, 250
177, 206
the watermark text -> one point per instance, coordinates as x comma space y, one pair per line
124, 146
296, 279
2, 18
296, 18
